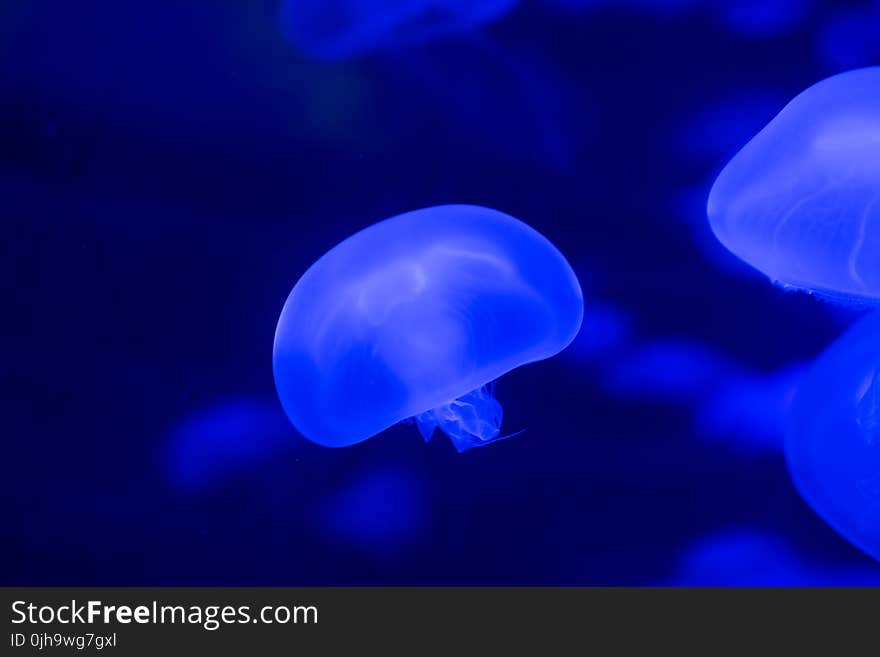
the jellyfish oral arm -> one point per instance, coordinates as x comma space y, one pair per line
472, 420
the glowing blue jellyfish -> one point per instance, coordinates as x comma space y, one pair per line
833, 442
415, 317
801, 201
337, 29
715, 132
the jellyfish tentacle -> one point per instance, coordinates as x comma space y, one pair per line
472, 420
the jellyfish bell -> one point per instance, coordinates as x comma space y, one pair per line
415, 317
833, 440
801, 201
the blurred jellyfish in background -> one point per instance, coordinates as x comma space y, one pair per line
739, 557
339, 29
668, 370
722, 124
730, 404
761, 18
745, 18
379, 510
847, 38
649, 7
223, 440
711, 134
801, 201
415, 317
750, 412
605, 331
753, 556
833, 442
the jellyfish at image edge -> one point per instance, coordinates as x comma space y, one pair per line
801, 201
833, 440
415, 317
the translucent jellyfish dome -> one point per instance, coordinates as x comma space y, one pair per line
833, 441
415, 317
801, 201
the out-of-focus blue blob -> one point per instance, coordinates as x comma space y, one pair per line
380, 511
650, 7
833, 442
739, 557
750, 412
762, 18
720, 126
224, 439
338, 29
413, 317
662, 6
847, 39
668, 370
605, 330
576, 5
751, 556
801, 201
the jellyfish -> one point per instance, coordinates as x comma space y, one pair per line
413, 318
833, 441
801, 201
338, 29
715, 131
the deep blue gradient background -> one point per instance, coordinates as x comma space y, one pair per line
169, 169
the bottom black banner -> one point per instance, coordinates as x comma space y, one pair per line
171, 621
